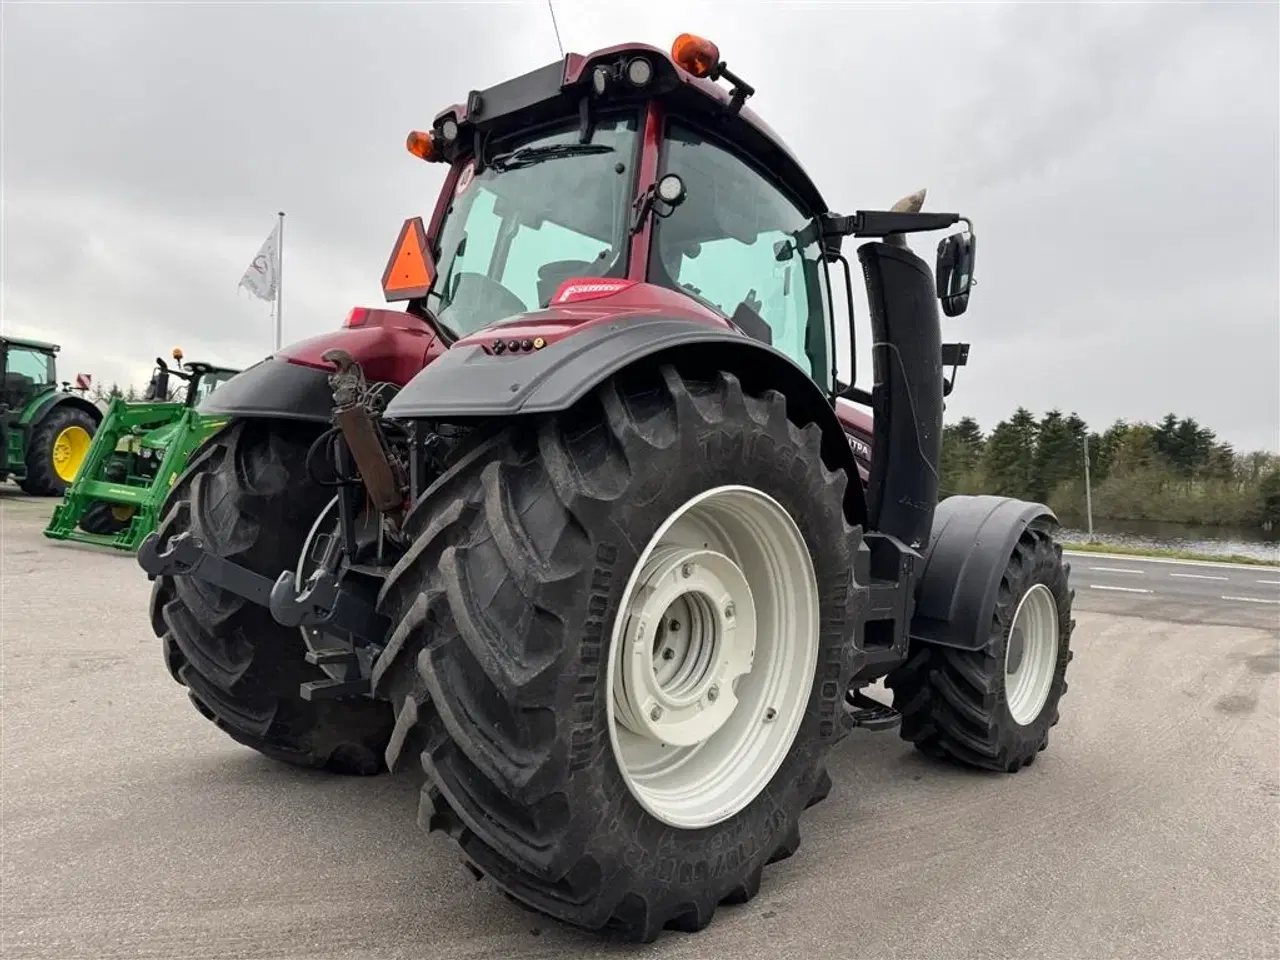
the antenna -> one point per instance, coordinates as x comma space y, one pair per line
555, 26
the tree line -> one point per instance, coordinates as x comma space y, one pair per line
1176, 470
129, 393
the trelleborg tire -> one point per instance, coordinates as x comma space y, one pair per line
519, 686
246, 494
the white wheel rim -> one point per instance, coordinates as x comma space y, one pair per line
1031, 654
702, 712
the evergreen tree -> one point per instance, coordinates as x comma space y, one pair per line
1165, 439
1269, 494
1010, 456
1135, 452
961, 458
1057, 455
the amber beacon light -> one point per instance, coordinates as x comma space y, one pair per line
421, 145
695, 54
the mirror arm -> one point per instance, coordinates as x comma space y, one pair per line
882, 223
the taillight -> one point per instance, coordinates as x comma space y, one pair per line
357, 317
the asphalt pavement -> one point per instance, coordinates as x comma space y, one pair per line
1215, 594
132, 828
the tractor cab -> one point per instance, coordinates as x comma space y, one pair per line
633, 177
200, 379
27, 368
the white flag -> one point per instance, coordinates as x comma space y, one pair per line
264, 271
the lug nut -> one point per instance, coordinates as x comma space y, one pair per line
673, 626
728, 611
686, 570
668, 654
655, 713
713, 694
770, 715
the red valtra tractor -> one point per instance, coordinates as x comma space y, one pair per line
590, 531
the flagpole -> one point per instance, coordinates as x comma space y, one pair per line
279, 277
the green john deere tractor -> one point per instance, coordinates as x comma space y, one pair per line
45, 430
137, 453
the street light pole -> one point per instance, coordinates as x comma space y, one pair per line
1088, 488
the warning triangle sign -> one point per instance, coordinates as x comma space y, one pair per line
411, 268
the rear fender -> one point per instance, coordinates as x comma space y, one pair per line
44, 406
971, 542
389, 345
469, 382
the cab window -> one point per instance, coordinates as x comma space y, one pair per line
30, 363
738, 244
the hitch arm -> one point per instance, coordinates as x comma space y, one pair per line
323, 603
186, 556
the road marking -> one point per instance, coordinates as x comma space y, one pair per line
1218, 564
1251, 599
1117, 570
1103, 586
1275, 583
1200, 576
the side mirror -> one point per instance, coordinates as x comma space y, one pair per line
955, 271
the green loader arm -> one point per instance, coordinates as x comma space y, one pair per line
115, 500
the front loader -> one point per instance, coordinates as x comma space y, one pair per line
136, 455
589, 530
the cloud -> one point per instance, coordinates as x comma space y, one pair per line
1119, 162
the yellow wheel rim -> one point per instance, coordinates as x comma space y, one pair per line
122, 513
69, 449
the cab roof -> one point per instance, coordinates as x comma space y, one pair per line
40, 345
559, 90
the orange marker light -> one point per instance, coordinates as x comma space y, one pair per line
421, 145
177, 353
695, 54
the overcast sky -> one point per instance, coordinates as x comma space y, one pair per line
1119, 162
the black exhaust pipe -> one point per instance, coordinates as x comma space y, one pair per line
906, 399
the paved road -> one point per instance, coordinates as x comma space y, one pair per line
1224, 594
134, 829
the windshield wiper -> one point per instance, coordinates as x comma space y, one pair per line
528, 156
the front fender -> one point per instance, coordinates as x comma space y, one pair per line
972, 540
469, 382
273, 388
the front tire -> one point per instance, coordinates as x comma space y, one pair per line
108, 519
993, 708
508, 614
248, 497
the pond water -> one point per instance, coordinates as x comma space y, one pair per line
1154, 534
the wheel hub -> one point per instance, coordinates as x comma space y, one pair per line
690, 636
1031, 654
712, 656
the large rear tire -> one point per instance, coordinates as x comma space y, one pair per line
518, 680
57, 448
246, 494
993, 708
